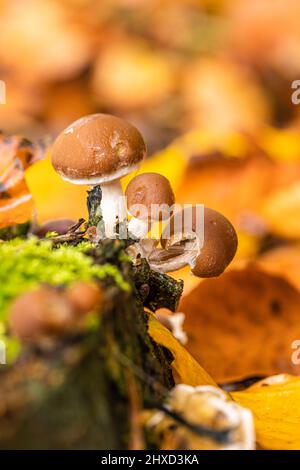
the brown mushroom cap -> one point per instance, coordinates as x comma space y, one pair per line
149, 189
220, 242
98, 146
39, 312
84, 296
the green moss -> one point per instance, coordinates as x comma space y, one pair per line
51, 234
26, 263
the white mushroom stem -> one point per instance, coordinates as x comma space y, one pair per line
177, 320
113, 206
138, 227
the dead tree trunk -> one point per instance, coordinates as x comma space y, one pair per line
81, 394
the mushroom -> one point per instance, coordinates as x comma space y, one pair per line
84, 297
204, 239
173, 322
99, 149
39, 313
47, 311
149, 198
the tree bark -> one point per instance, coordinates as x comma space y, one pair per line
83, 393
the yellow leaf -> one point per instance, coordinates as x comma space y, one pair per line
230, 144
280, 144
283, 261
281, 211
187, 368
274, 401
170, 162
275, 404
55, 198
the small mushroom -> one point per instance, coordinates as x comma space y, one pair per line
149, 198
39, 313
207, 244
48, 311
99, 149
84, 296
173, 322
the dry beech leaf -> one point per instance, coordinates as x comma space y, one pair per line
53, 197
238, 187
243, 324
281, 211
206, 144
283, 261
187, 369
170, 162
269, 400
16, 155
221, 95
280, 144
274, 403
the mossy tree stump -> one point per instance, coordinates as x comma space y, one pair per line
82, 393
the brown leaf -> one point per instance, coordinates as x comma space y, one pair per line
243, 324
282, 261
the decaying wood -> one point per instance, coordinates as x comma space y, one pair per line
76, 395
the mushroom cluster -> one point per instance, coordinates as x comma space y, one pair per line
98, 150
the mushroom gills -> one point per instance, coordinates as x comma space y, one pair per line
178, 253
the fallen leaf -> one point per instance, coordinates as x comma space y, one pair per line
185, 366
16, 155
274, 403
282, 261
280, 144
281, 211
55, 198
221, 95
242, 324
170, 162
269, 400
130, 75
256, 193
